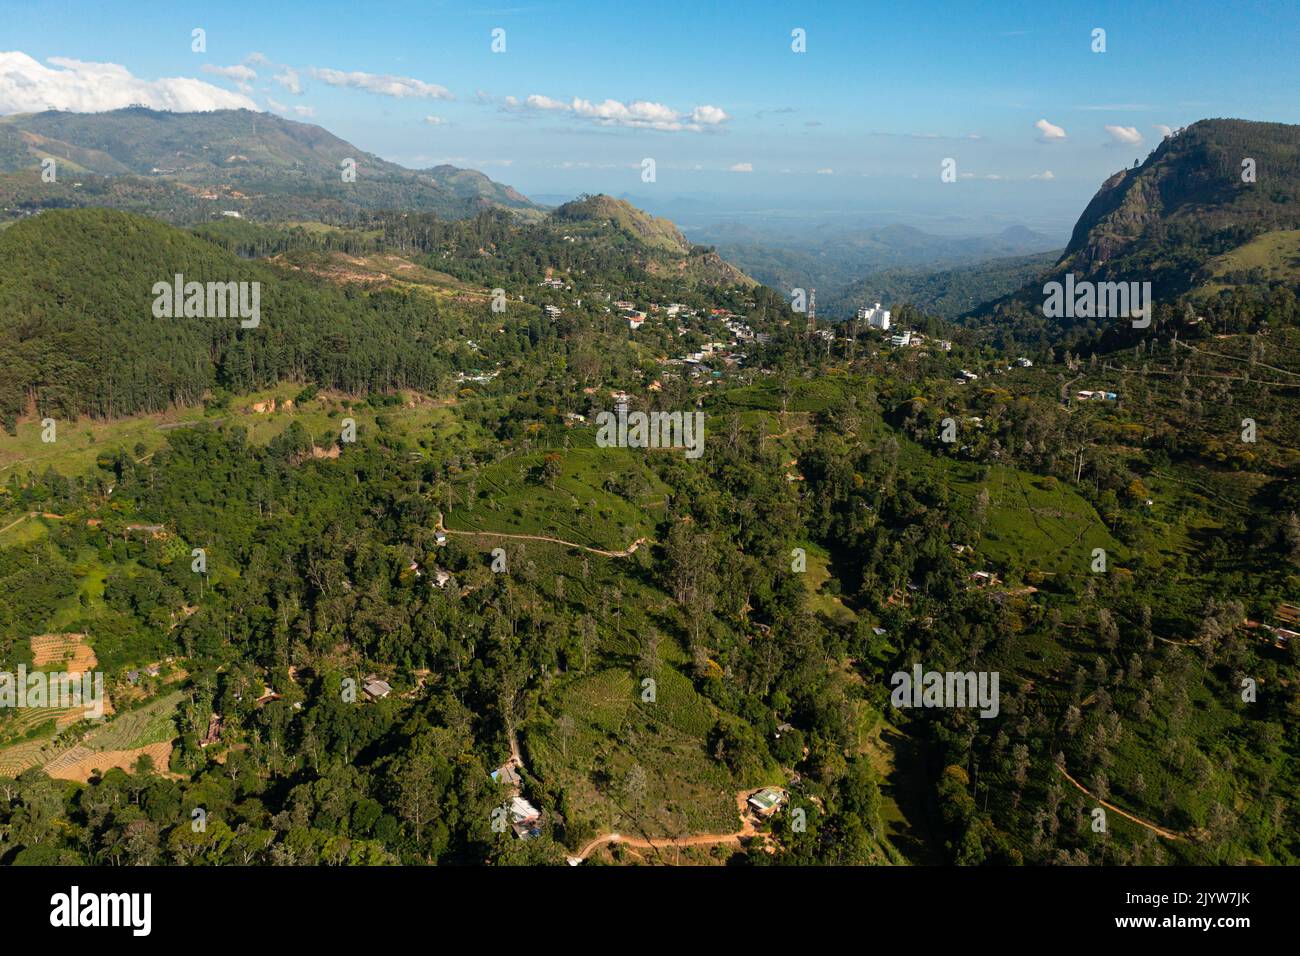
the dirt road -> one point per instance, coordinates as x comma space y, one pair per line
1159, 831
670, 843
630, 550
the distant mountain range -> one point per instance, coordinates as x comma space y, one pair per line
187, 167
947, 293
842, 259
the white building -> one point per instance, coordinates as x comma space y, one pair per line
876, 317
901, 339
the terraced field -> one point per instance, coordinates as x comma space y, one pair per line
81, 763
116, 743
70, 652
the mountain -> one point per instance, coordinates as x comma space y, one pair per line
187, 167
1189, 218
627, 219
474, 187
655, 244
1189, 201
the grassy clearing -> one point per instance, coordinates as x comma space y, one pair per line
18, 529
823, 602
1276, 256
78, 444
899, 760
603, 497
803, 395
1033, 522
685, 790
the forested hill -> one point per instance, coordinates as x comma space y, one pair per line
1206, 191
1191, 200
186, 167
626, 218
78, 334
656, 244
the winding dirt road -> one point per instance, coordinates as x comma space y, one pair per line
1159, 831
670, 843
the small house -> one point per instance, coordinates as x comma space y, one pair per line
767, 801
508, 774
214, 731
525, 819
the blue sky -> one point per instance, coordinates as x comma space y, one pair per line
883, 94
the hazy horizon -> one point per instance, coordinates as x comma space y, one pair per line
838, 107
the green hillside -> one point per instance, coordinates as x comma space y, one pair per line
78, 333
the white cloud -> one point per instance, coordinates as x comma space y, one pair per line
639, 114
1049, 131
401, 87
1046, 175
709, 115
434, 120
242, 76
290, 80
826, 172
27, 86
539, 102
239, 73
741, 168
1163, 130
1128, 135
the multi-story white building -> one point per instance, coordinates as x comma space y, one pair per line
876, 317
